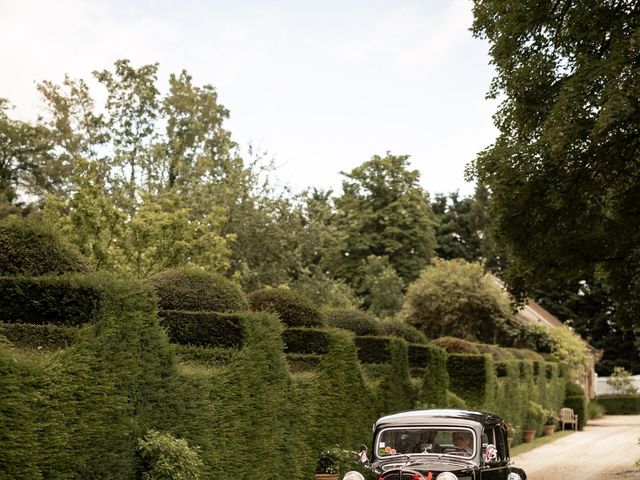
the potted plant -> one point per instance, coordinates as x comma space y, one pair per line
535, 418
512, 432
550, 422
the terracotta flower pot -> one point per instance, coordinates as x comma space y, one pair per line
509, 441
529, 435
327, 476
548, 429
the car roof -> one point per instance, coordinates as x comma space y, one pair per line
439, 417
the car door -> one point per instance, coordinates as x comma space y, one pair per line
495, 457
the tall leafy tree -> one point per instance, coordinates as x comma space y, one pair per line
24, 149
383, 211
565, 170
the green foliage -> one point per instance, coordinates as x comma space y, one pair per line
597, 410
576, 399
454, 401
164, 457
292, 309
30, 247
356, 321
472, 377
619, 404
453, 297
325, 292
381, 287
47, 337
396, 327
536, 416
383, 211
197, 290
456, 345
567, 76
435, 380
568, 348
70, 300
305, 340
621, 382
373, 349
204, 329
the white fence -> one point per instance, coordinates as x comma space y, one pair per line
603, 388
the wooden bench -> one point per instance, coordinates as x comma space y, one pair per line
567, 416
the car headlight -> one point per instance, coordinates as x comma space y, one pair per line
514, 476
353, 476
446, 476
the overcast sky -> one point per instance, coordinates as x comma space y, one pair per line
322, 86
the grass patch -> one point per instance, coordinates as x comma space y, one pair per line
538, 442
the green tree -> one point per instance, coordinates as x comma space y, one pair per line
383, 211
24, 149
454, 298
563, 172
381, 287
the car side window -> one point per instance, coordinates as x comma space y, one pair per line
494, 446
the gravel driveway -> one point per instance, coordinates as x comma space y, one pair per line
606, 449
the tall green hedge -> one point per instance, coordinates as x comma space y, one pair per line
620, 404
192, 289
472, 377
306, 340
292, 309
204, 329
30, 247
356, 321
435, 380
47, 337
576, 399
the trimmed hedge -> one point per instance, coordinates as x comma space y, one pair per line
356, 321
435, 381
400, 329
30, 247
71, 300
196, 290
208, 357
374, 349
456, 345
204, 329
305, 340
292, 309
472, 377
576, 400
620, 404
301, 362
47, 337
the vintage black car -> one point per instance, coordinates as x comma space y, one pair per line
440, 445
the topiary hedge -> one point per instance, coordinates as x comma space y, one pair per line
204, 329
472, 377
576, 400
192, 289
396, 328
374, 349
47, 337
70, 300
620, 404
456, 345
356, 321
305, 340
292, 309
435, 380
30, 247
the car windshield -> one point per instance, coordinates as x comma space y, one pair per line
425, 440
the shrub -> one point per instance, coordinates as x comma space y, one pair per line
71, 300
498, 354
456, 345
472, 377
536, 416
48, 337
164, 457
205, 329
576, 400
435, 380
596, 410
453, 297
454, 401
619, 404
305, 340
524, 354
192, 289
401, 329
356, 321
292, 309
29, 247
621, 382
373, 349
